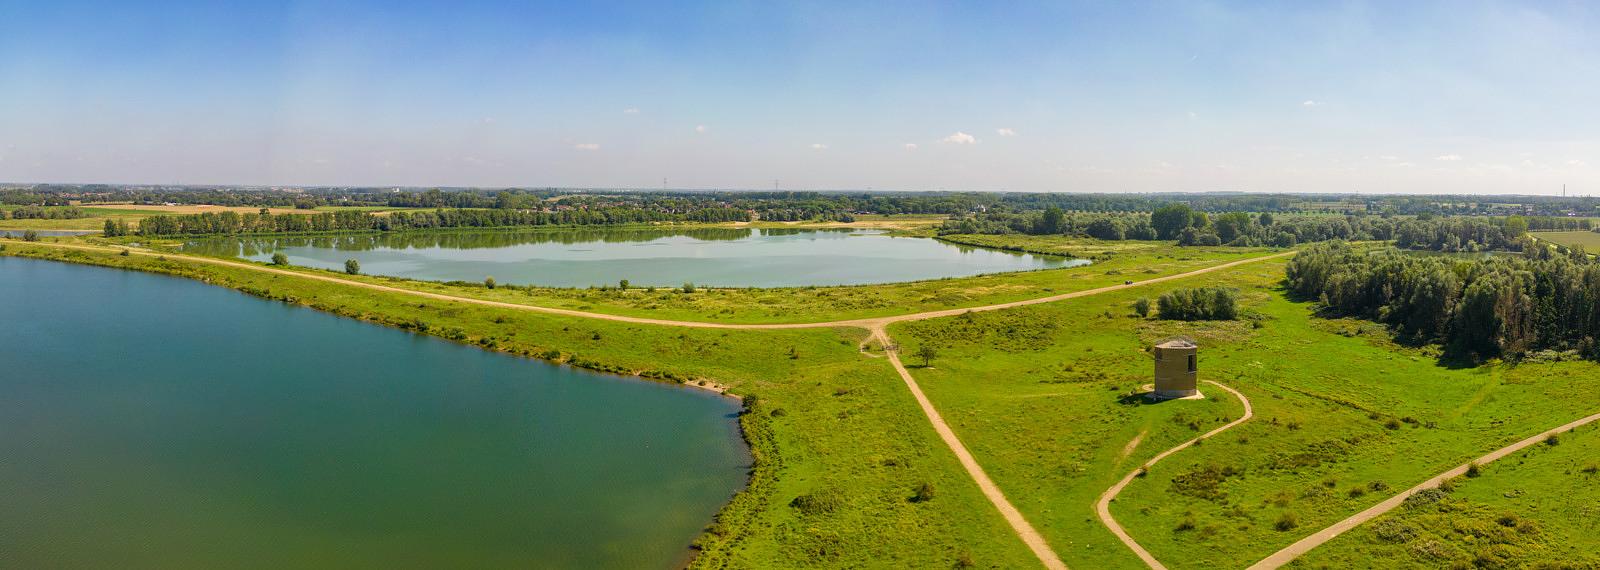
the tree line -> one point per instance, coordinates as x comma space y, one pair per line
1188, 226
1486, 306
228, 223
44, 213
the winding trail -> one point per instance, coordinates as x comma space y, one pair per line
1304, 545
1103, 506
877, 327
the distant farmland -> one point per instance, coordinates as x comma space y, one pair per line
1589, 240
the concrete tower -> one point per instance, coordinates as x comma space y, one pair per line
1176, 367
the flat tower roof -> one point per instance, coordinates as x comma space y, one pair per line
1177, 343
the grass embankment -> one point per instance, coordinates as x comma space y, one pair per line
840, 446
1344, 418
1589, 240
1539, 507
1137, 261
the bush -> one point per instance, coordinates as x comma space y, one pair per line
924, 493
1199, 304
688, 287
1287, 522
1473, 470
280, 259
30, 235
818, 502
1141, 307
352, 266
488, 282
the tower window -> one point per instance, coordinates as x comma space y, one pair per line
1192, 363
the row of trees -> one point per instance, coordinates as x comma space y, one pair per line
210, 223
1487, 307
44, 213
1192, 227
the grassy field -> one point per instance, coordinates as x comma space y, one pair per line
841, 445
1037, 394
1137, 261
95, 221
1539, 508
1589, 240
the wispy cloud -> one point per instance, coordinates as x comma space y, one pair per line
1448, 158
1575, 162
819, 146
630, 111
1389, 158
911, 146
587, 146
700, 128
961, 138
1311, 103
1005, 132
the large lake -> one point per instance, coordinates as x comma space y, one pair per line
155, 422
729, 257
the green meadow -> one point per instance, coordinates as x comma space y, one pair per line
1538, 508
1038, 393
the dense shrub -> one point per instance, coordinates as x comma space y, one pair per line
1199, 304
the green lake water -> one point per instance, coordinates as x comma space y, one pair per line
156, 422
728, 257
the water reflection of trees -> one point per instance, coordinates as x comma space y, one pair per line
251, 246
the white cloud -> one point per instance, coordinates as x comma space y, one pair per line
1575, 162
1406, 164
630, 111
1310, 103
1193, 115
1389, 157
1006, 132
819, 146
700, 128
961, 138
587, 146
1448, 158
911, 146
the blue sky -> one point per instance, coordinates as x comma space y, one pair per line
1416, 97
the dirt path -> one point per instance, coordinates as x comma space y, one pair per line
1103, 507
876, 326
1305, 545
1025, 531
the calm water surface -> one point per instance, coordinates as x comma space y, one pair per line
155, 422
580, 258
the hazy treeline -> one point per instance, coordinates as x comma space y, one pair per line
808, 205
210, 223
1193, 227
1505, 305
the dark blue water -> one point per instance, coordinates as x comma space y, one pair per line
149, 421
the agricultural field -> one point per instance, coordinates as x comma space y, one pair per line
1040, 395
1589, 240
